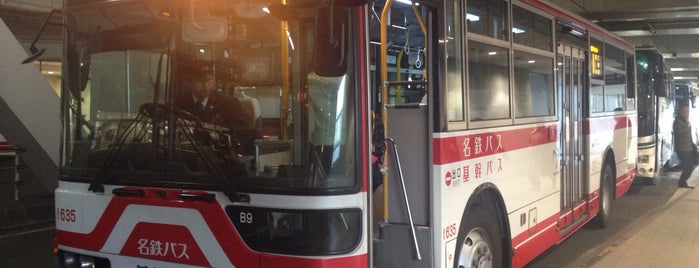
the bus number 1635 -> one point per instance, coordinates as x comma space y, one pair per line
65, 214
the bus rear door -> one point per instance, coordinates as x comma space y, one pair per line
570, 62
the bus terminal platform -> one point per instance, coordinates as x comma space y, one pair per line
668, 237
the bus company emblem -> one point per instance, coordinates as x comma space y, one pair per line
164, 242
447, 179
453, 177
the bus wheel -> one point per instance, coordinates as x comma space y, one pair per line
606, 196
479, 242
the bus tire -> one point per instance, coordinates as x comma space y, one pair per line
479, 243
606, 195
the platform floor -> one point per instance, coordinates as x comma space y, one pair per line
670, 239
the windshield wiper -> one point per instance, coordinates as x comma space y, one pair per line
185, 122
189, 123
116, 153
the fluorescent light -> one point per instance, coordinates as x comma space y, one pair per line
492, 53
681, 55
471, 17
531, 61
576, 32
572, 31
676, 69
516, 30
407, 2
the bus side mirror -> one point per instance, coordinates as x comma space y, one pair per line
331, 34
78, 61
36, 52
85, 56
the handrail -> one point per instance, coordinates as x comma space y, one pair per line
424, 33
383, 61
419, 19
285, 76
385, 84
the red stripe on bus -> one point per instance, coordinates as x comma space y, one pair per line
218, 222
276, 261
623, 183
228, 239
601, 124
534, 241
363, 102
470, 146
458, 148
530, 244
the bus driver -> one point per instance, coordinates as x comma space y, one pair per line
213, 106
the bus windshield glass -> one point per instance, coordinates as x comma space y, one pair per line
199, 94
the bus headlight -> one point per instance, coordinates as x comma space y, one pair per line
69, 259
74, 260
301, 232
87, 262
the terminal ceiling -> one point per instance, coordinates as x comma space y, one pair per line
671, 26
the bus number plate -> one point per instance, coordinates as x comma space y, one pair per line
245, 217
65, 214
450, 231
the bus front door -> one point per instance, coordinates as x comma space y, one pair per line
570, 63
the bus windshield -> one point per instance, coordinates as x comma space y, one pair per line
200, 94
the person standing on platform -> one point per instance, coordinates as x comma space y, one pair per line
684, 146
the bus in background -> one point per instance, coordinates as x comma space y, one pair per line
506, 127
656, 111
685, 94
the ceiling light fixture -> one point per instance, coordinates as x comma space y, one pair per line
516, 30
409, 2
573, 31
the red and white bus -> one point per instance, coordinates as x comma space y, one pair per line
502, 127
